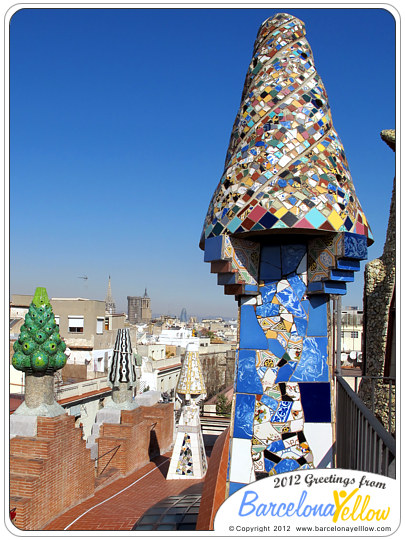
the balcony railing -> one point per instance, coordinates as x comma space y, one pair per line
374, 384
80, 388
362, 443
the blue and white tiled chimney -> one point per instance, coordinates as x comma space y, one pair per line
284, 231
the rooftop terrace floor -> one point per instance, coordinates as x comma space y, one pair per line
119, 505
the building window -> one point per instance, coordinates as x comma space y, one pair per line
57, 319
354, 334
76, 324
100, 324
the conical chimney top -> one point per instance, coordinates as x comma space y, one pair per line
286, 167
191, 380
122, 368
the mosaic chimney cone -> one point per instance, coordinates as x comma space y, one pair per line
39, 352
284, 231
191, 381
121, 373
188, 458
285, 167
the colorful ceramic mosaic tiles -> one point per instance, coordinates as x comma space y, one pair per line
244, 257
188, 457
285, 173
191, 380
185, 466
286, 166
282, 365
332, 261
185, 463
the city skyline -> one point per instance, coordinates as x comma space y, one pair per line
83, 134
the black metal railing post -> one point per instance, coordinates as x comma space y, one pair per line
116, 448
362, 443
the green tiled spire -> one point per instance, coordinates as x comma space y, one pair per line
39, 349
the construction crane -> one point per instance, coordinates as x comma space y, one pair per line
82, 277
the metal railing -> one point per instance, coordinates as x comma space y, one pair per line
214, 425
375, 383
97, 460
362, 443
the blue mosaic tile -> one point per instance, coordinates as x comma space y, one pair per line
301, 326
270, 263
348, 264
316, 287
275, 347
244, 413
270, 402
297, 285
282, 412
327, 287
268, 291
228, 469
227, 278
267, 310
315, 218
251, 288
234, 224
341, 275
355, 246
213, 249
268, 464
235, 486
291, 256
247, 379
286, 465
315, 400
318, 316
280, 225
261, 371
267, 221
305, 306
285, 372
288, 299
335, 287
276, 446
251, 333
313, 363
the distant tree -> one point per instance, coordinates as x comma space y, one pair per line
207, 333
224, 406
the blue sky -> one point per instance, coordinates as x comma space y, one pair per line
120, 122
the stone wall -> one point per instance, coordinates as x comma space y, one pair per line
218, 370
379, 287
